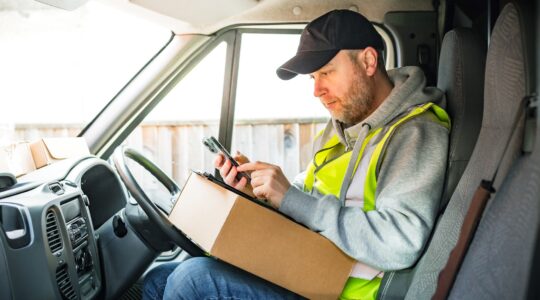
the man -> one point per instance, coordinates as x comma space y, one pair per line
374, 184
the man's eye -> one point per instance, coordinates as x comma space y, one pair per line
326, 73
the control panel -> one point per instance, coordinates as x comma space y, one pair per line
85, 284
78, 234
77, 231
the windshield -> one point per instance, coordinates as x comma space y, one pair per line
59, 68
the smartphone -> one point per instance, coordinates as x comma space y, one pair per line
215, 147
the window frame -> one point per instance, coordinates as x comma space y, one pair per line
105, 136
229, 101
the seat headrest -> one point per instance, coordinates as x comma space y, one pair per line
461, 70
461, 77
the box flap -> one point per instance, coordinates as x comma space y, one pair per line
200, 197
61, 148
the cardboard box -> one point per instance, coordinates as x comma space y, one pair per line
48, 150
17, 159
260, 240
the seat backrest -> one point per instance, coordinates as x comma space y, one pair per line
500, 256
504, 90
461, 78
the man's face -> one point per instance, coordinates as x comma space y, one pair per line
344, 89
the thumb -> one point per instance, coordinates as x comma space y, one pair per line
241, 158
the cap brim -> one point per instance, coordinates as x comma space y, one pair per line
304, 63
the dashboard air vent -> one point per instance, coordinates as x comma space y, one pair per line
53, 234
64, 283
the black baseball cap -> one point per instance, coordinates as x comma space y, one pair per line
325, 36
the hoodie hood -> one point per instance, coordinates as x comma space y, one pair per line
409, 90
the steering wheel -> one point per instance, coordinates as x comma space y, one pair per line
156, 211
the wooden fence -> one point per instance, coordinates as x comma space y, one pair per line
177, 147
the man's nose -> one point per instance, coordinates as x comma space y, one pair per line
318, 88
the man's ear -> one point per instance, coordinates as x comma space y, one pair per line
369, 60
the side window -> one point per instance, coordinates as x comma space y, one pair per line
171, 134
275, 120
55, 76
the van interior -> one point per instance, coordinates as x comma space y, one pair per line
91, 226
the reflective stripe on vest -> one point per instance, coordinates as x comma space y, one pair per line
326, 175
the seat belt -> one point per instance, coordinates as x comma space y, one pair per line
472, 217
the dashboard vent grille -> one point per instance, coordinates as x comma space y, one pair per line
53, 234
64, 283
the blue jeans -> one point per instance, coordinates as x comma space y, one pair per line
207, 278
155, 281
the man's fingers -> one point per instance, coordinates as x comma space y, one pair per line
231, 176
258, 192
225, 169
258, 179
241, 158
254, 166
241, 184
218, 161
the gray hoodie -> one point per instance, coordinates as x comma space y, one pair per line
409, 183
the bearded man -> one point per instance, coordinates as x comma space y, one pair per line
374, 184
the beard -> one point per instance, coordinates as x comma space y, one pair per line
357, 104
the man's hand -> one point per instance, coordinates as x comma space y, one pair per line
228, 172
267, 180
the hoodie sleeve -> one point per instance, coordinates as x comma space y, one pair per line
410, 184
298, 181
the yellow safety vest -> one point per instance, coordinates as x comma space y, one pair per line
328, 175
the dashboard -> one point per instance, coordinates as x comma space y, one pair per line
59, 236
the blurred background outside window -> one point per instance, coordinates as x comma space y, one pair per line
59, 68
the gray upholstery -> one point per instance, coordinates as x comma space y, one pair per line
504, 89
461, 77
500, 256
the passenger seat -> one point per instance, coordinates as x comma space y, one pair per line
496, 265
461, 78
500, 256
